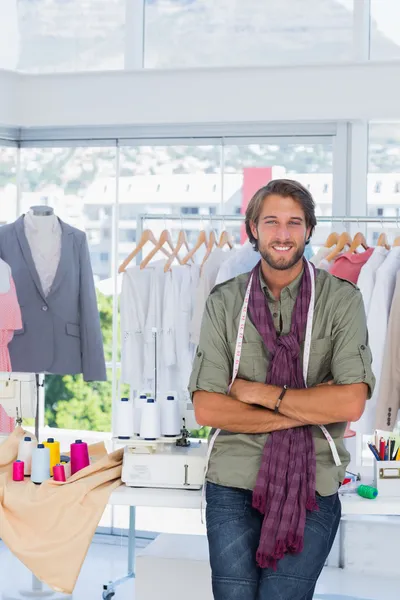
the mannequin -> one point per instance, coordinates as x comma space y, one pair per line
43, 232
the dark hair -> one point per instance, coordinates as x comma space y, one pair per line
287, 188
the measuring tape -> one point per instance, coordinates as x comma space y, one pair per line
306, 361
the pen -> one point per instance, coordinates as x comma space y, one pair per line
382, 447
374, 451
392, 445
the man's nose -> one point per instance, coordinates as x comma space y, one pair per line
282, 234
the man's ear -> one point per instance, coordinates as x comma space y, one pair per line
253, 228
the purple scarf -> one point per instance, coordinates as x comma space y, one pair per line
285, 486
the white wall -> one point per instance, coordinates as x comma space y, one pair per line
332, 92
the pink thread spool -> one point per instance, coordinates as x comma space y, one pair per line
79, 456
59, 473
18, 470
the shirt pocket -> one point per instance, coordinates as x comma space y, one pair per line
319, 366
252, 366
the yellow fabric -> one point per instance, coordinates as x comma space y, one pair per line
49, 527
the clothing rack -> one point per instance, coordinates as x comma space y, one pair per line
240, 218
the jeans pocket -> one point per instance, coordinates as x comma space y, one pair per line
224, 505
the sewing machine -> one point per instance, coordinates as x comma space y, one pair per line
176, 463
18, 395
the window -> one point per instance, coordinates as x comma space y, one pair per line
249, 167
212, 210
383, 176
190, 210
209, 33
8, 184
66, 36
127, 235
385, 30
72, 181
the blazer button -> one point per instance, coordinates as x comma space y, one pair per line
44, 307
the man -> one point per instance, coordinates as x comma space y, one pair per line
272, 480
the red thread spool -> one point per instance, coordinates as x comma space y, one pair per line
59, 473
18, 470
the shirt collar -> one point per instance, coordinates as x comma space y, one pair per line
31, 223
290, 290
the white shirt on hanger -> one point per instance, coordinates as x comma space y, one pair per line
377, 322
208, 277
44, 238
242, 261
134, 302
321, 254
389, 388
366, 278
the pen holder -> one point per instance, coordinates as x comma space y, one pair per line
387, 478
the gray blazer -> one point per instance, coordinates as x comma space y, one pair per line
61, 333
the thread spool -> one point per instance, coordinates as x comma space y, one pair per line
18, 470
79, 456
59, 473
25, 449
124, 428
54, 448
138, 409
150, 427
367, 491
67, 468
170, 416
40, 464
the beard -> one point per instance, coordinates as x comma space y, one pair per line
281, 263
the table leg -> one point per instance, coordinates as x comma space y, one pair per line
109, 588
132, 541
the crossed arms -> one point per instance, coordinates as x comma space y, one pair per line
249, 407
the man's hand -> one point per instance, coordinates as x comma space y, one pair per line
251, 392
310, 406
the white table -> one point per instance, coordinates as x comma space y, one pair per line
165, 498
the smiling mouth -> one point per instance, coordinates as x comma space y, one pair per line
282, 249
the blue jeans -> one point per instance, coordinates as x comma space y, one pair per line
233, 531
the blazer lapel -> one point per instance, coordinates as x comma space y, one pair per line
66, 254
27, 254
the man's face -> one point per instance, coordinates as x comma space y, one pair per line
281, 232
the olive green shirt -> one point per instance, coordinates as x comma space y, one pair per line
339, 352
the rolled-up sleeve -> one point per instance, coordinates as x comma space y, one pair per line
351, 355
212, 366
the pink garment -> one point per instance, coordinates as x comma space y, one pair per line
349, 265
10, 320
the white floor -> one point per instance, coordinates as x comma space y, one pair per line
108, 561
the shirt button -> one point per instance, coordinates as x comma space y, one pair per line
275, 315
44, 307
199, 354
362, 347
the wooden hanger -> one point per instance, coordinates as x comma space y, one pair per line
332, 239
397, 241
344, 240
165, 238
225, 238
358, 240
383, 241
182, 241
212, 241
147, 236
202, 239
